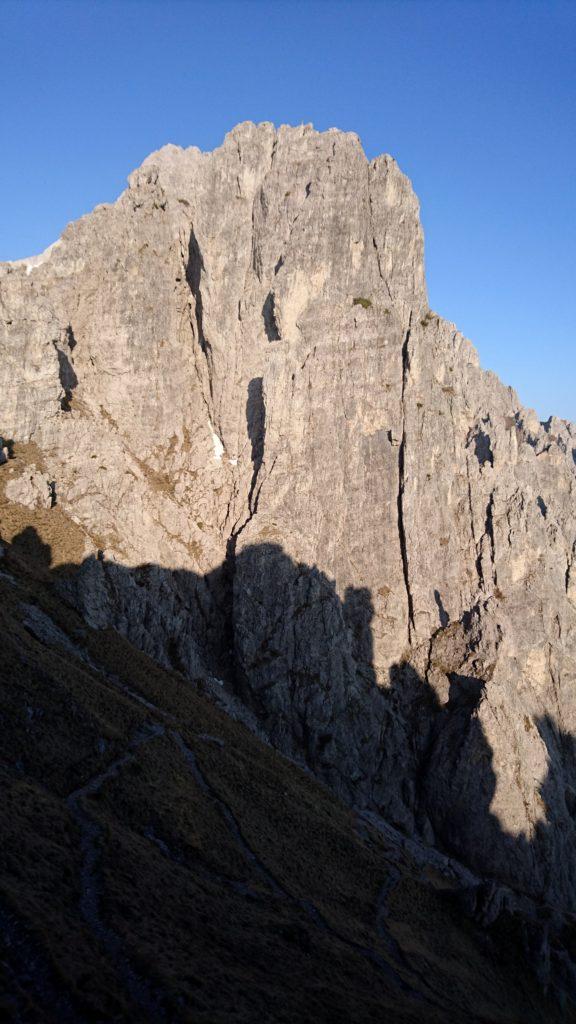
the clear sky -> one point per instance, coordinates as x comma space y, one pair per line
476, 100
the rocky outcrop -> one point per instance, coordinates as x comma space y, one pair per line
290, 475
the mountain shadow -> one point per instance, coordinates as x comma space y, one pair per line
272, 637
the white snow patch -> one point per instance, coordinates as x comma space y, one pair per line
218, 446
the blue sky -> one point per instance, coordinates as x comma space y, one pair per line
477, 102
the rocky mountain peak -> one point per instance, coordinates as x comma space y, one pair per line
265, 461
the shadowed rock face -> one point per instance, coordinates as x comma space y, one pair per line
233, 372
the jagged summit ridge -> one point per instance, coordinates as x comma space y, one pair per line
238, 357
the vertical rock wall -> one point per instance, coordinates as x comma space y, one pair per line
291, 474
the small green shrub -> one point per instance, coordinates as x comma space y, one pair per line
365, 303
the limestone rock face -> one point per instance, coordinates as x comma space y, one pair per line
293, 477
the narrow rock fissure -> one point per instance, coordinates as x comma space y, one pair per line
490, 534
569, 564
194, 268
256, 429
374, 242
401, 487
66, 374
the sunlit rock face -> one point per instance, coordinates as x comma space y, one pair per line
233, 372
